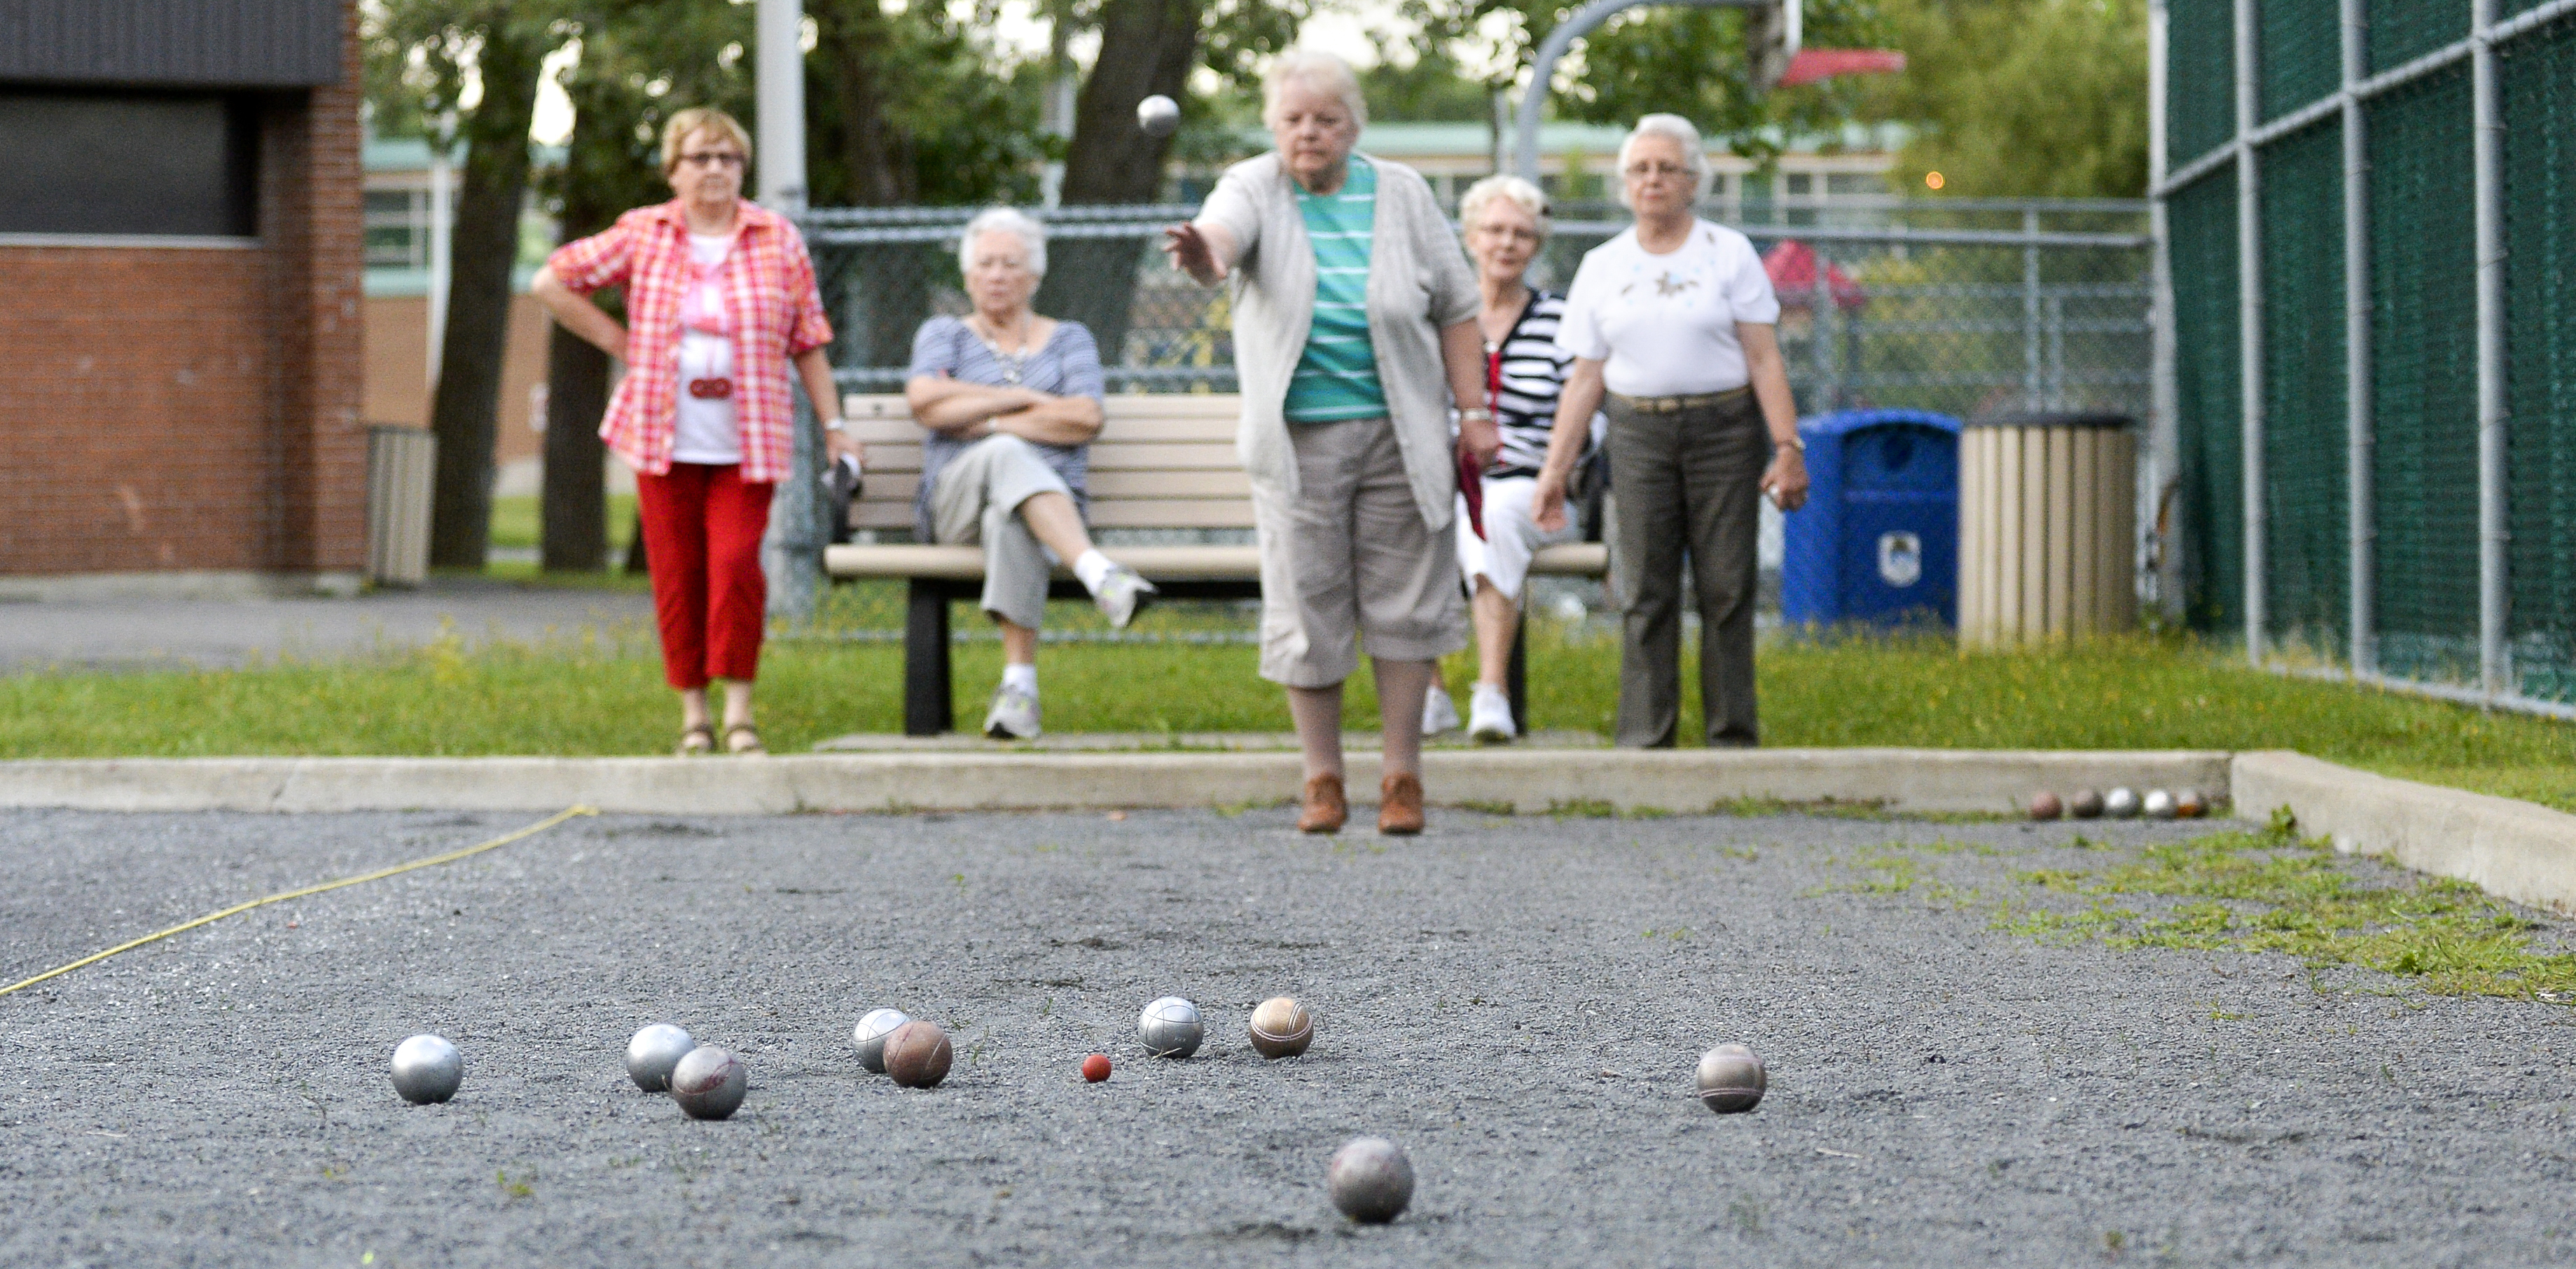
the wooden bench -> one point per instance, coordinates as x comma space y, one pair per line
1161, 462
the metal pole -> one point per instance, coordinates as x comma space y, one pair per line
2030, 389
2164, 430
2494, 535
2249, 299
1583, 22
1828, 393
792, 555
2360, 426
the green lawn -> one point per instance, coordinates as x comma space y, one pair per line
604, 695
514, 522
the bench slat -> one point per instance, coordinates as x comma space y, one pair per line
1220, 563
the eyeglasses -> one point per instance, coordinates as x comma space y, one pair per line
713, 158
1511, 233
1669, 171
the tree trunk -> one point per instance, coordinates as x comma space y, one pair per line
485, 244
573, 506
874, 152
1146, 47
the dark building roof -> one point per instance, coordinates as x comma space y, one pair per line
171, 43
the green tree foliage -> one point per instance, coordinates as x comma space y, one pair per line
1430, 88
914, 104
2021, 98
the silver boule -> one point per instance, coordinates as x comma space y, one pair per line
1158, 116
427, 1069
870, 1035
2120, 803
653, 1052
1731, 1079
2085, 805
708, 1083
1170, 1028
1371, 1180
2158, 805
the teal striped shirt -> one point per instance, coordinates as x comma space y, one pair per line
1336, 379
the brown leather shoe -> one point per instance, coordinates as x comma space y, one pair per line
1325, 806
1399, 805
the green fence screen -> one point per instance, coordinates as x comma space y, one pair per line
2208, 399
2421, 198
2304, 424
2537, 82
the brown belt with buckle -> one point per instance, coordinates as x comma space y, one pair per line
711, 389
1675, 405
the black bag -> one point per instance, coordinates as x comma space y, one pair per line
841, 484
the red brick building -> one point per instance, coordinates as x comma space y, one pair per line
180, 246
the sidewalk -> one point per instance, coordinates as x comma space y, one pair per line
213, 634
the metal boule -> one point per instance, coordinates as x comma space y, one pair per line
1732, 1079
2120, 803
427, 1069
1170, 1027
1371, 1180
2085, 805
1158, 116
708, 1083
2158, 805
870, 1035
653, 1052
918, 1054
1281, 1028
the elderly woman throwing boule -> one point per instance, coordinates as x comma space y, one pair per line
1355, 328
1676, 322
720, 299
1011, 401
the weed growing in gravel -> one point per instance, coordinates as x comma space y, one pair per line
2271, 891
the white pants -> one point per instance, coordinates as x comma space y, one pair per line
1512, 536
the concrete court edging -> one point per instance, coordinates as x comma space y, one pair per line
2511, 849
1904, 780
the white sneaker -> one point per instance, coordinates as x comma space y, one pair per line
1490, 716
1121, 595
1014, 715
1439, 713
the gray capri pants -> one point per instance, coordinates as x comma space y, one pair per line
976, 499
1350, 556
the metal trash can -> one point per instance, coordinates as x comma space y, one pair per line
402, 463
2047, 527
1877, 540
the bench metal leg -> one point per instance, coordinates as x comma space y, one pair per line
928, 706
1516, 674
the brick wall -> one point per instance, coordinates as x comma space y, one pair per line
177, 409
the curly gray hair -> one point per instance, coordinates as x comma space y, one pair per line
1674, 128
1009, 220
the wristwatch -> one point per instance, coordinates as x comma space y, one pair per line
1476, 412
836, 425
1798, 443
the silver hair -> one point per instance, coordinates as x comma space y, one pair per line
1324, 70
1510, 189
1674, 127
1009, 220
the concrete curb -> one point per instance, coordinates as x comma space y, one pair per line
2511, 849
1905, 780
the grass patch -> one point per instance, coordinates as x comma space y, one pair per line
2271, 891
602, 693
515, 522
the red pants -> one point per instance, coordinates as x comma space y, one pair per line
702, 530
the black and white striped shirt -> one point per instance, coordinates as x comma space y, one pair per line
1534, 371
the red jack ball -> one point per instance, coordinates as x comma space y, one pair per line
1095, 1068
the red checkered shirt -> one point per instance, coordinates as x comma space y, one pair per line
768, 283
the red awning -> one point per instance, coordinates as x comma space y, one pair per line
1792, 266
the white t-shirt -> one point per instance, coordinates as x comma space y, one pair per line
707, 431
1664, 326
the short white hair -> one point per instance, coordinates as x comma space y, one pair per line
1009, 220
1673, 127
1510, 189
1321, 70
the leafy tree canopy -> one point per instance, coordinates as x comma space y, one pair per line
2021, 98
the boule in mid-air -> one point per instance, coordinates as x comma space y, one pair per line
1158, 116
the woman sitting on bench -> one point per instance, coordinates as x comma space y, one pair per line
1011, 401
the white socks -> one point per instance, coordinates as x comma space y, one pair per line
1091, 569
1023, 677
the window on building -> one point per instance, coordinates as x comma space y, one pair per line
1801, 184
1843, 184
129, 163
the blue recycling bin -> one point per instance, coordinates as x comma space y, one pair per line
1878, 540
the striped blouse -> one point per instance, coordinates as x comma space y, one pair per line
1534, 371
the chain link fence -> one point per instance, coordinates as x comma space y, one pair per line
1965, 308
2386, 487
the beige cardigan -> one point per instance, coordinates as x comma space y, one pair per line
1419, 283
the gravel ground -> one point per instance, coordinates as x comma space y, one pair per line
1518, 1002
